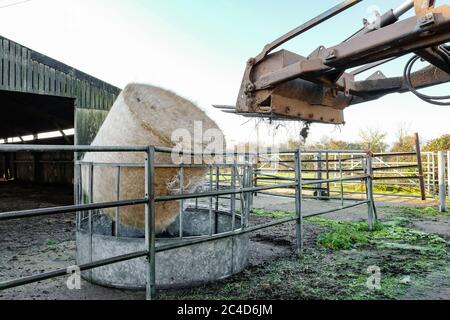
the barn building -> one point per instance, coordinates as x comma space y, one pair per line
43, 101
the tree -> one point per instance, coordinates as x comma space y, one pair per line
405, 142
327, 143
294, 144
439, 144
373, 139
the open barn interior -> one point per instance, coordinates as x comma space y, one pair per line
36, 119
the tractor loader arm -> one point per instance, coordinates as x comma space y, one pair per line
284, 85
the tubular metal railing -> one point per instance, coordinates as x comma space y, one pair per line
395, 174
241, 187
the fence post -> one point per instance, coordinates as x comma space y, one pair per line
250, 194
91, 212
150, 236
420, 167
428, 174
78, 190
328, 175
211, 215
181, 201
442, 187
319, 175
448, 173
298, 202
433, 163
252, 175
117, 222
247, 183
372, 215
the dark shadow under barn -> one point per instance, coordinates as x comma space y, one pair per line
40, 95
35, 178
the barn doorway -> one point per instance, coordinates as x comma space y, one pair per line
45, 177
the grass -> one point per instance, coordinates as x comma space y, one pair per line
272, 214
351, 235
52, 243
334, 265
343, 236
404, 252
425, 212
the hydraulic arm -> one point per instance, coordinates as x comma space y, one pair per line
284, 85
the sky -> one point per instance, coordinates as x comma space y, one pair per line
199, 48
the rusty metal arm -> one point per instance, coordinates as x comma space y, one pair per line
368, 90
247, 82
369, 66
317, 88
396, 40
437, 56
305, 27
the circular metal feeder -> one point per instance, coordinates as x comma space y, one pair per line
183, 267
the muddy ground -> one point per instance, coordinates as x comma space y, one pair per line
411, 250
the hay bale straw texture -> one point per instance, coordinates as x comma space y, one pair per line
145, 115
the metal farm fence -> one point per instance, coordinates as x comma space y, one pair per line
235, 182
395, 174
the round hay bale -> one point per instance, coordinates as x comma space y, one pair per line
145, 115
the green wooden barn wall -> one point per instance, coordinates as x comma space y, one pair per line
25, 70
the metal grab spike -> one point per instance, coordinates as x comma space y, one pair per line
224, 107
